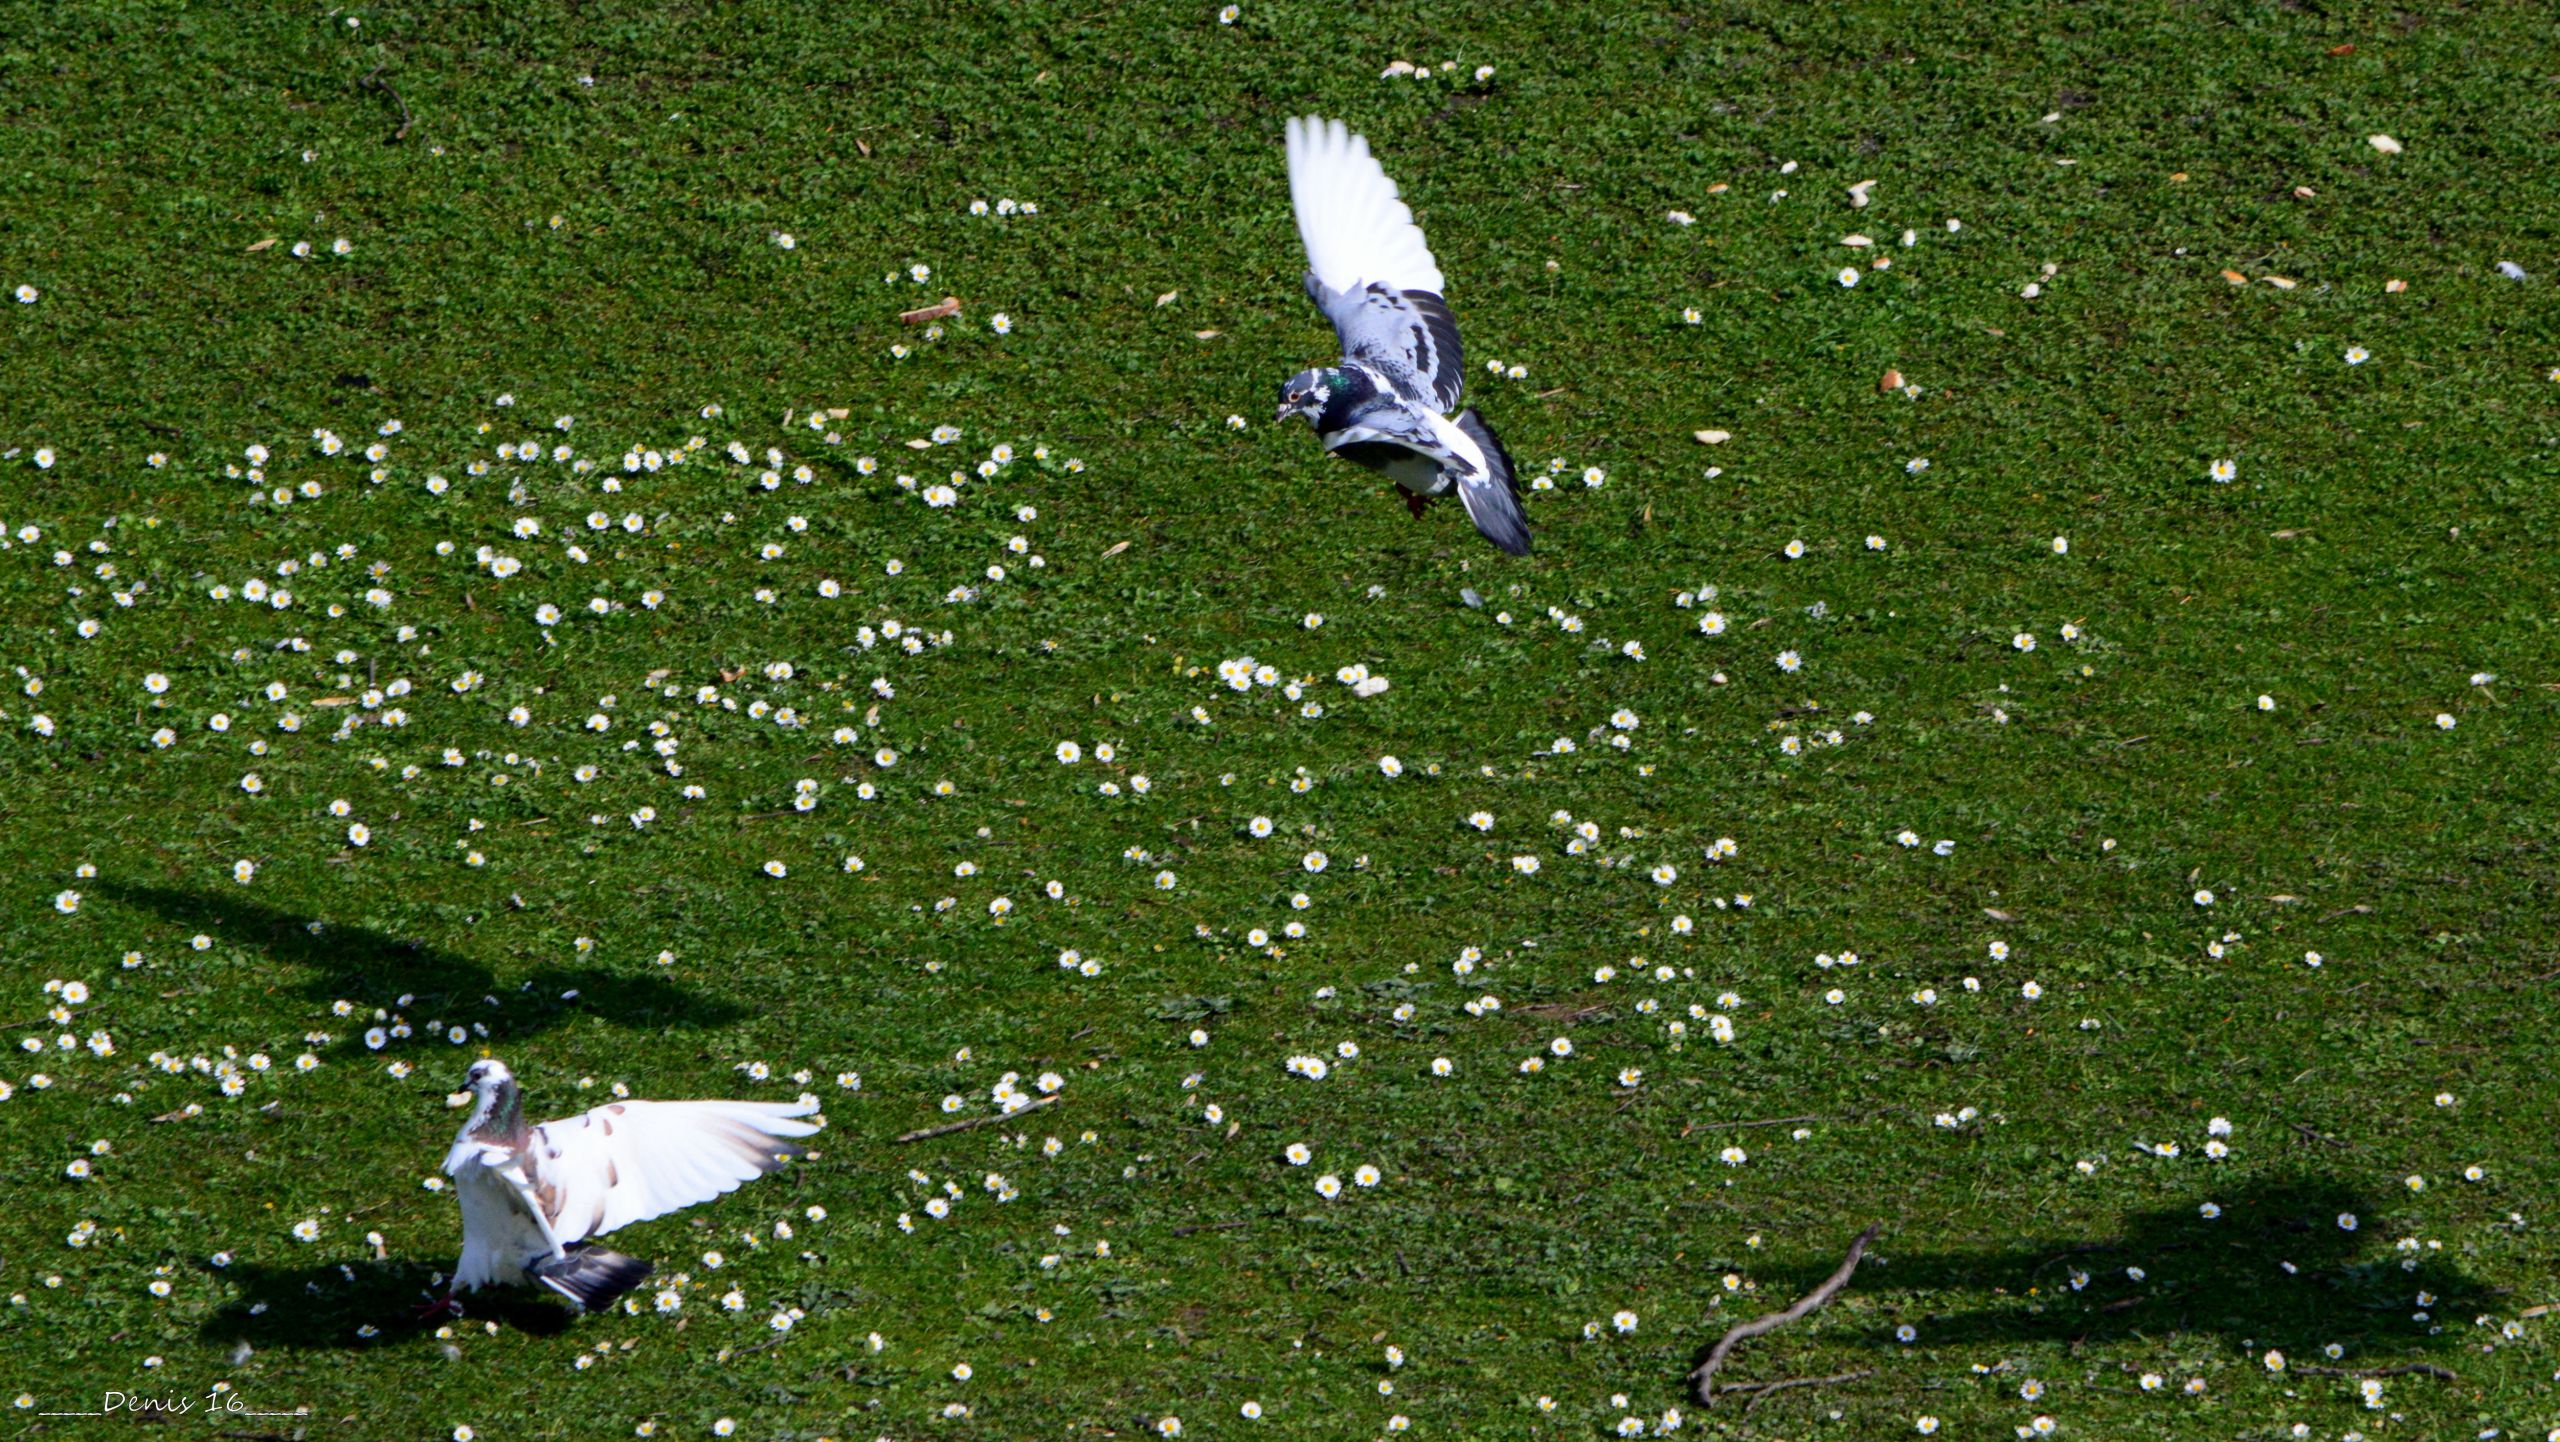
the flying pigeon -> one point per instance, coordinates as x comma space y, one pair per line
534, 1197
1386, 405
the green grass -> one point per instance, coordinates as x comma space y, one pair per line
2389, 535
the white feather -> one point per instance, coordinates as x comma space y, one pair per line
500, 1233
1356, 229
625, 1162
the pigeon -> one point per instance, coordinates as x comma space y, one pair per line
1386, 405
533, 1198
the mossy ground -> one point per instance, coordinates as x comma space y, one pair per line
582, 216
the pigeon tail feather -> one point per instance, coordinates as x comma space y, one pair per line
1493, 500
591, 1277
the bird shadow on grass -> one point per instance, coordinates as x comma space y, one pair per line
2287, 1262
331, 1306
360, 964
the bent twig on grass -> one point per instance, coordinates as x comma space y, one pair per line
374, 81
1702, 1378
1761, 1391
949, 1127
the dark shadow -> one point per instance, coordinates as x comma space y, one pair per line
375, 970
2274, 1270
324, 1307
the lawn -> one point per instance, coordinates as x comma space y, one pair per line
489, 571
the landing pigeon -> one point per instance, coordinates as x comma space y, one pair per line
533, 1197
1386, 405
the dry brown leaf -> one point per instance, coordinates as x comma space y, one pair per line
2395, 285
1718, 188
2280, 282
335, 701
919, 445
862, 145
1204, 335
1996, 914
1116, 550
950, 306
1713, 438
2304, 192
257, 246
2383, 143
1167, 298
2235, 277
1889, 382
2177, 177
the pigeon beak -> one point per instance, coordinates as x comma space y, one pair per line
1283, 414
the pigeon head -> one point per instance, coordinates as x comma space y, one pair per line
1307, 394
498, 1109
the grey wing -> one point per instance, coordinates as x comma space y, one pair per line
1408, 336
1389, 425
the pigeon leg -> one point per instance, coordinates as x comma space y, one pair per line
1414, 502
447, 1305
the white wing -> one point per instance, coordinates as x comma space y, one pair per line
1357, 231
502, 1230
626, 1162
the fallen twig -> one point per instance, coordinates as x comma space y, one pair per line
767, 1344
949, 1127
1761, 1390
1791, 1121
1702, 1377
49, 1021
374, 81
2414, 1369
950, 306
1564, 1009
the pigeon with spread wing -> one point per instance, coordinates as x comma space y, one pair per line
1386, 405
534, 1197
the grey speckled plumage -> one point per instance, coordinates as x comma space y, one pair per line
1385, 406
